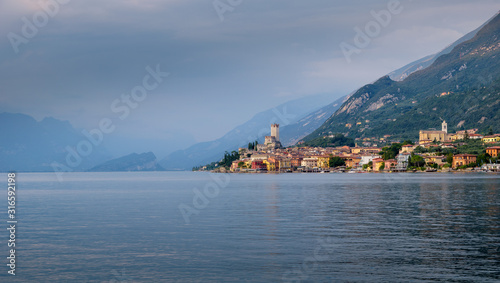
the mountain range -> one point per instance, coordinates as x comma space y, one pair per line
461, 87
460, 84
297, 118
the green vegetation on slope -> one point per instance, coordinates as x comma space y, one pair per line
462, 87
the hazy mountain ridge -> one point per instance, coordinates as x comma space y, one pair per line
28, 145
287, 115
293, 133
461, 87
132, 162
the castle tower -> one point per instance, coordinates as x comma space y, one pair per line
444, 127
275, 131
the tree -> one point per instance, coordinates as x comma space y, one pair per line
483, 158
417, 160
336, 161
406, 142
390, 152
251, 146
382, 166
449, 158
490, 131
241, 164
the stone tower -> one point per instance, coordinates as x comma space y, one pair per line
275, 131
444, 127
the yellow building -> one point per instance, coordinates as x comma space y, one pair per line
285, 164
491, 139
440, 136
407, 148
324, 162
271, 166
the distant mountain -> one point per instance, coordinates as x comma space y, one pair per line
132, 162
294, 124
28, 145
404, 72
461, 87
291, 134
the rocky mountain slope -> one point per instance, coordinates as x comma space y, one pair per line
461, 87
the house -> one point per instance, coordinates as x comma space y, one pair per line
408, 148
432, 159
309, 162
476, 136
403, 160
463, 159
324, 162
353, 161
296, 162
390, 164
491, 139
493, 151
377, 163
365, 159
491, 167
234, 165
285, 164
259, 165
270, 164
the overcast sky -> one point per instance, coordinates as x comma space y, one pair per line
224, 66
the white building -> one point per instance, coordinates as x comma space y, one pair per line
309, 162
365, 159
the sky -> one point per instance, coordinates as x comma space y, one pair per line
226, 60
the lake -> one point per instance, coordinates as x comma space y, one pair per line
202, 227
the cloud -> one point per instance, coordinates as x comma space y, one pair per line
263, 53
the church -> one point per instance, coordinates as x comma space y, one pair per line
430, 136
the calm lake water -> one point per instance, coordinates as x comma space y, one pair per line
128, 227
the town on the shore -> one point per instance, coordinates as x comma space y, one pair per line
435, 151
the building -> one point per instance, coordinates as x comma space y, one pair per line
275, 131
270, 164
433, 159
491, 167
296, 162
324, 162
408, 148
310, 162
352, 161
491, 139
493, 151
259, 165
463, 159
430, 136
402, 159
285, 164
377, 163
365, 159
273, 141
471, 131
476, 136
391, 164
